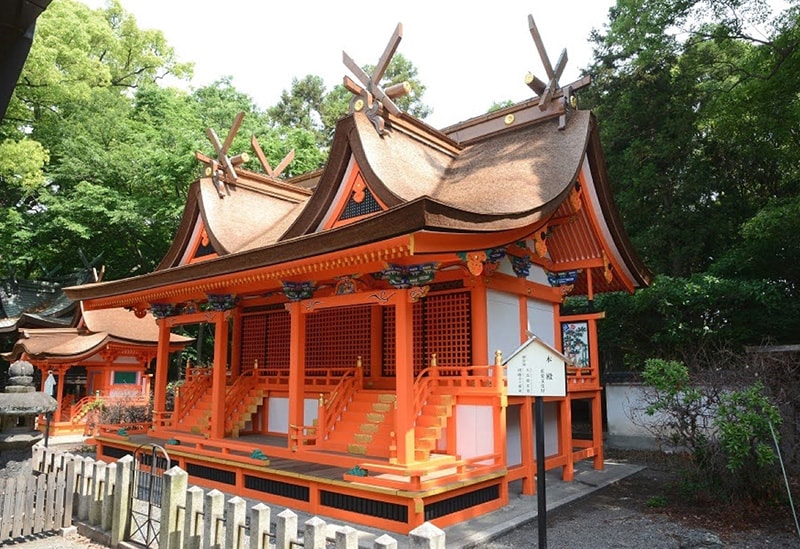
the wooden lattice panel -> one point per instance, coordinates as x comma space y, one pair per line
279, 328
447, 328
335, 338
442, 325
254, 342
265, 338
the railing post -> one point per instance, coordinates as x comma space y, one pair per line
173, 498
85, 488
107, 512
234, 522
385, 542
347, 538
259, 526
285, 529
321, 418
314, 537
193, 519
96, 493
212, 518
498, 370
426, 536
122, 500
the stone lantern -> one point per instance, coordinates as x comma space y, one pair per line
20, 404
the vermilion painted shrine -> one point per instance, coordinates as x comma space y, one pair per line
360, 326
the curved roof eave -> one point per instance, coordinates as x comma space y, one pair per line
416, 215
642, 275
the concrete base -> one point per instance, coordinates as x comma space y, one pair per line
631, 442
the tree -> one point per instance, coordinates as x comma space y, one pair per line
698, 117
63, 155
308, 106
691, 150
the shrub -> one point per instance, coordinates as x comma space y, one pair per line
725, 433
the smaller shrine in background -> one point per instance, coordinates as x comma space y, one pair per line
20, 405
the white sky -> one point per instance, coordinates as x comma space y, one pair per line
468, 54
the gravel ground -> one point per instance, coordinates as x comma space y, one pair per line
645, 511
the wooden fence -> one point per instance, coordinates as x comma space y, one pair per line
33, 504
98, 494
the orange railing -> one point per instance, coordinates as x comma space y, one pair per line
197, 383
582, 378
452, 380
332, 407
79, 410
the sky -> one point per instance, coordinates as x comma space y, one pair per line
468, 54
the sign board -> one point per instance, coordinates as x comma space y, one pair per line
537, 369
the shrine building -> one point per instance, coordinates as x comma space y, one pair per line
361, 315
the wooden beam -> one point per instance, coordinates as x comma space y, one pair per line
537, 39
388, 53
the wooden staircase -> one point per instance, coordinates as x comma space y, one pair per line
241, 410
429, 424
365, 426
197, 420
367, 423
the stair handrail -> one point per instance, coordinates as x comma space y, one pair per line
331, 408
424, 383
77, 410
196, 384
236, 393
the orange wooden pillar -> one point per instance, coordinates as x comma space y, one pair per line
404, 364
565, 437
526, 445
297, 365
219, 376
480, 331
162, 370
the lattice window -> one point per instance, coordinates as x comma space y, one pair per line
442, 325
335, 338
254, 343
279, 329
367, 205
265, 337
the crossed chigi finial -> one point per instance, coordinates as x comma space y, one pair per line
547, 91
370, 96
222, 169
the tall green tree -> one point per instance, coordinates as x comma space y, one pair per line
698, 115
72, 115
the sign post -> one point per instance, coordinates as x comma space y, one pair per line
536, 369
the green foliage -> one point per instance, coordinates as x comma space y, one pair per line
726, 433
704, 174
21, 164
679, 318
743, 419
680, 410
